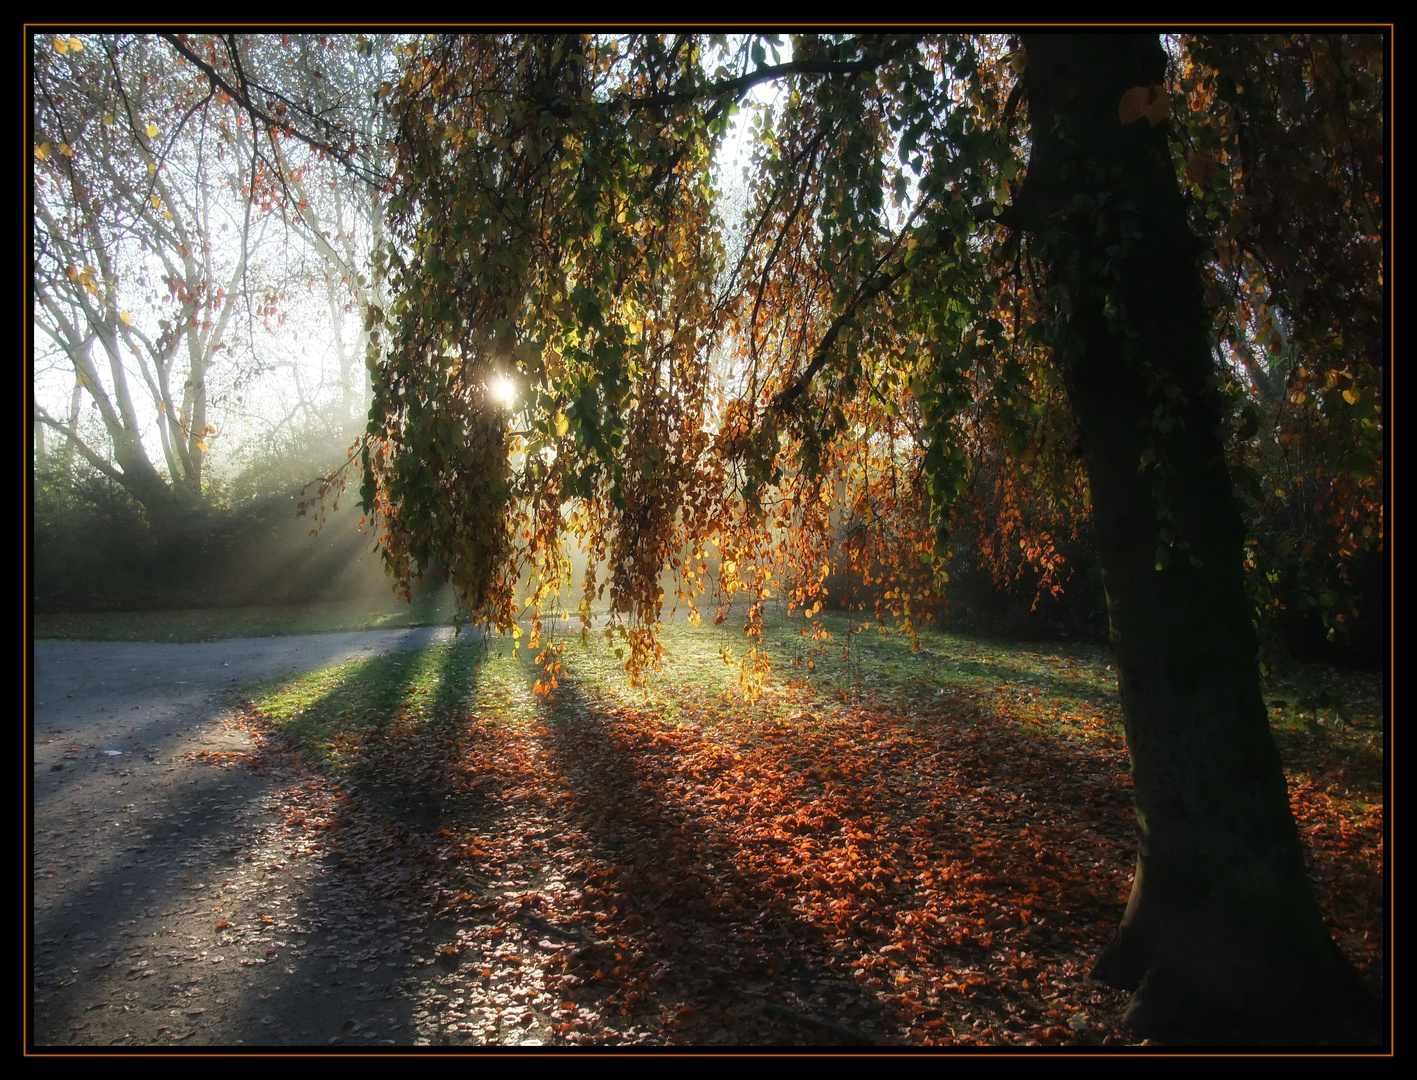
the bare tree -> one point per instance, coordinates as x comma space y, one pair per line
181, 185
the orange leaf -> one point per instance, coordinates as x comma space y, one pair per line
1148, 101
1133, 105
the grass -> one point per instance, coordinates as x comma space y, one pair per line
1064, 692
210, 624
1067, 691
1059, 691
332, 712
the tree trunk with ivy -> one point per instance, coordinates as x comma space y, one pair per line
1222, 939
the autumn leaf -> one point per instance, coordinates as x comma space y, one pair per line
152, 130
41, 151
1144, 101
1200, 167
1158, 106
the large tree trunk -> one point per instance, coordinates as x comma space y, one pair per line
1222, 939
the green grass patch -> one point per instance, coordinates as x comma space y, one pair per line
1063, 692
1071, 688
342, 713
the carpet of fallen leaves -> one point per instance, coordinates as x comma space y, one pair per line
862, 872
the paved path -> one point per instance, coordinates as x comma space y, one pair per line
173, 899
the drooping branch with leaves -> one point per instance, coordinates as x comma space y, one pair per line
967, 268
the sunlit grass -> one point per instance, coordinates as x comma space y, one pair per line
336, 710
1065, 691
1060, 691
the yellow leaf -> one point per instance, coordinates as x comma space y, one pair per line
66, 149
61, 46
125, 317
1351, 396
157, 203
562, 425
76, 44
108, 118
41, 151
152, 130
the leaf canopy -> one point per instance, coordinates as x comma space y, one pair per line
762, 387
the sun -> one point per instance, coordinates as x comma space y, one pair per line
503, 391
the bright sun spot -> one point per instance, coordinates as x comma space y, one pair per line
503, 391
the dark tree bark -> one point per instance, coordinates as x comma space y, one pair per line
1222, 940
